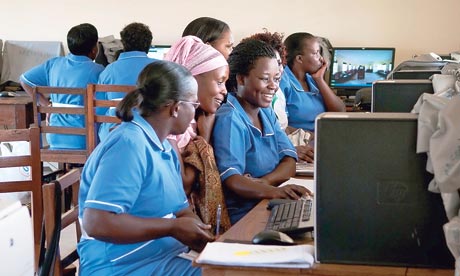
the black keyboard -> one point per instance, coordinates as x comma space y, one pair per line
291, 217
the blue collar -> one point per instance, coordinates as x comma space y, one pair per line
266, 125
78, 58
296, 84
148, 130
132, 54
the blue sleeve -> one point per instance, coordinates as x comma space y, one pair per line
116, 184
285, 147
38, 75
230, 142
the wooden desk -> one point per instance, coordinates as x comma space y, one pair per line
255, 221
16, 112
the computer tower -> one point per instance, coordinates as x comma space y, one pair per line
398, 95
372, 202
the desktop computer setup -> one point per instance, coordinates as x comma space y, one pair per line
354, 68
367, 79
372, 202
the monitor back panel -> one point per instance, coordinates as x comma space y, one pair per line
398, 95
373, 206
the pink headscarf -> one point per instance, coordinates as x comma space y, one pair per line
196, 56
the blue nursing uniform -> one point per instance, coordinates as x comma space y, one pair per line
302, 107
69, 71
132, 172
124, 71
241, 148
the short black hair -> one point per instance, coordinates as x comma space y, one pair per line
294, 45
81, 39
208, 29
243, 58
136, 37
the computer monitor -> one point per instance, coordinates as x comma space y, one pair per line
158, 51
372, 201
398, 95
353, 68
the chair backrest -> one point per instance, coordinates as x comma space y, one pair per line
32, 161
63, 155
55, 221
95, 104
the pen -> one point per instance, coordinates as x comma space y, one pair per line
219, 212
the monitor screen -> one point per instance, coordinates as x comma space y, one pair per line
353, 68
158, 51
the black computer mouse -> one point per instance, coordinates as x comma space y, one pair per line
271, 237
6, 94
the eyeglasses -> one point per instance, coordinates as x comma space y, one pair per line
194, 104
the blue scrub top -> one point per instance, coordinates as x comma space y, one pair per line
131, 172
124, 71
241, 148
302, 107
69, 71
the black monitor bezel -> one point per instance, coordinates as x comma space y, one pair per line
351, 89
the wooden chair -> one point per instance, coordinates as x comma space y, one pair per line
95, 119
56, 221
31, 135
76, 156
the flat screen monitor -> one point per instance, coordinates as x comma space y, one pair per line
353, 68
158, 51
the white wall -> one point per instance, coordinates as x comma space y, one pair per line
412, 26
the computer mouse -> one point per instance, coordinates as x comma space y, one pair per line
271, 237
6, 94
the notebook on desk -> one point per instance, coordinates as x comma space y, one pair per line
373, 205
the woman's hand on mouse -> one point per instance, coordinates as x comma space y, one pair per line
291, 191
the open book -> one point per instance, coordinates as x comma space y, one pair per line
237, 254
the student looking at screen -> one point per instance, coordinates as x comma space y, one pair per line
76, 70
213, 32
210, 69
253, 154
304, 152
303, 84
135, 216
136, 39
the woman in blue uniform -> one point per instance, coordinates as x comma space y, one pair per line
307, 93
135, 215
253, 154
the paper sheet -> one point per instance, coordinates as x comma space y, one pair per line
237, 254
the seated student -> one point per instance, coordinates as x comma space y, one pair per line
304, 152
253, 154
210, 69
307, 93
135, 216
213, 32
136, 39
76, 70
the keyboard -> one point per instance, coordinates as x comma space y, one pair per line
292, 217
